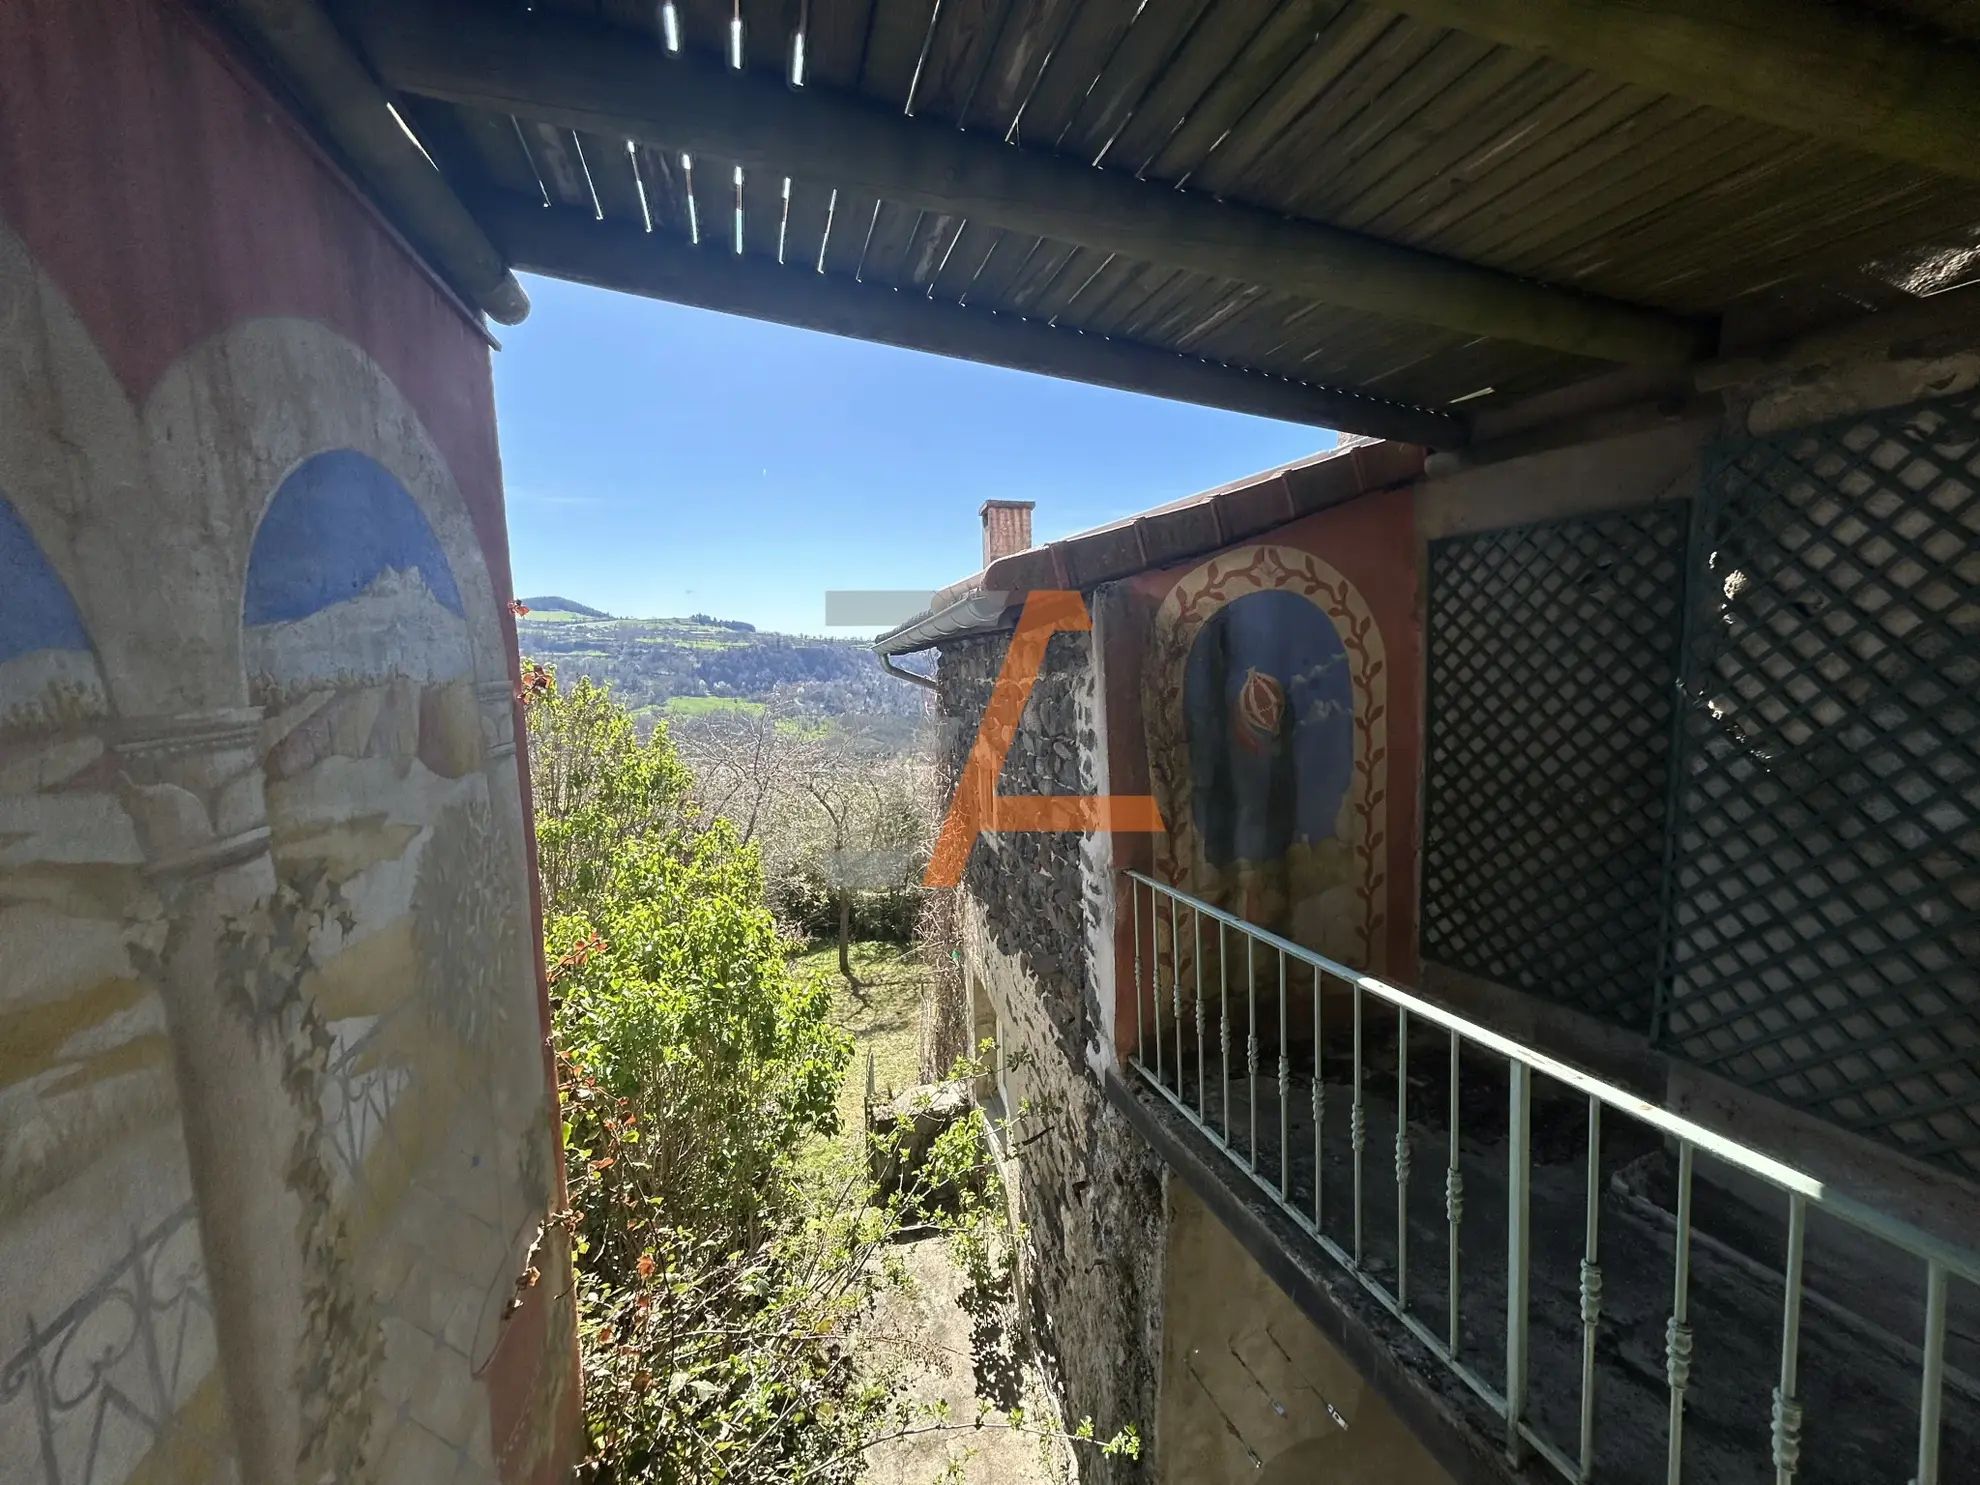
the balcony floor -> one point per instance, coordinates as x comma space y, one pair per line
1858, 1365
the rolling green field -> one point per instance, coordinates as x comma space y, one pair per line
700, 668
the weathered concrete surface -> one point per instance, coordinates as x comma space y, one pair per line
275, 1128
1250, 1390
971, 1359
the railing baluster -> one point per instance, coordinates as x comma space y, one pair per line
1285, 1090
1932, 1382
1319, 1098
1453, 1204
1402, 1157
1251, 1038
1140, 1030
1357, 1125
1677, 1335
1946, 1260
1224, 1023
1202, 1086
1787, 1407
1519, 1173
1591, 1287
1175, 987
1155, 975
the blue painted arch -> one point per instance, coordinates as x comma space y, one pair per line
338, 521
36, 611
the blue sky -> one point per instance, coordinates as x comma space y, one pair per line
661, 460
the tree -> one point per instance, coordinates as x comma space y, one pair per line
724, 1296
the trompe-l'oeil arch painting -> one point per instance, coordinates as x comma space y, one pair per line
387, 846
1279, 722
274, 1134
1267, 712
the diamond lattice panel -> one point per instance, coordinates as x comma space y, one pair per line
1551, 668
1826, 875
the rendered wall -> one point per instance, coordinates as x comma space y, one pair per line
1266, 696
275, 1121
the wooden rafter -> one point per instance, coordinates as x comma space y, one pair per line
1831, 71
582, 77
569, 244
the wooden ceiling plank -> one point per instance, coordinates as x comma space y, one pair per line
1138, 283
1313, 104
1720, 220
610, 169
1280, 47
763, 212
963, 260
1092, 33
1588, 107
835, 43
990, 284
1051, 273
1206, 48
1729, 265
666, 200
1079, 287
1844, 74
1138, 323
806, 233
614, 256
1505, 87
1839, 261
1022, 49
928, 250
1033, 277
851, 219
577, 78
1564, 177
1354, 121
965, 33
1626, 172
901, 31
1158, 28
885, 257
487, 141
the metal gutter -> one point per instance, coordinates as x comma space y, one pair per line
341, 97
977, 613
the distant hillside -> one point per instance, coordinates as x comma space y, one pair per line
555, 605
688, 668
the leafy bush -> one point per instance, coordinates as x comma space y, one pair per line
723, 1287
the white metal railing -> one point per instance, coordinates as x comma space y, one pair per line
1165, 1068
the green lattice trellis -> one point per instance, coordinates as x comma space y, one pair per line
1551, 653
1824, 877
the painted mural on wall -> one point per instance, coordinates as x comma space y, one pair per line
1265, 700
108, 1352
258, 778
358, 650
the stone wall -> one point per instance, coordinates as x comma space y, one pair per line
1090, 1193
276, 1135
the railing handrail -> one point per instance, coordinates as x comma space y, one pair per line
1895, 1230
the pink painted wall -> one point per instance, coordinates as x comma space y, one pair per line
271, 1029
1318, 678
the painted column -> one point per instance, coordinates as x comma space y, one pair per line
193, 786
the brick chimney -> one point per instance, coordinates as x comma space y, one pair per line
1006, 528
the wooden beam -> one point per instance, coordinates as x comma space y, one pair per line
580, 76
332, 85
1837, 72
612, 255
